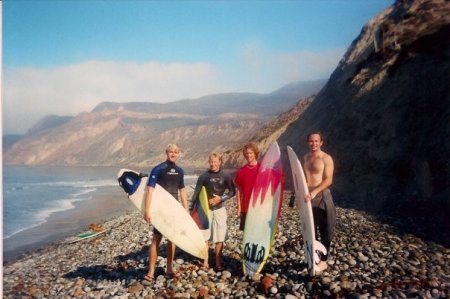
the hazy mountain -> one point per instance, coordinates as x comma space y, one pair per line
136, 134
10, 139
49, 122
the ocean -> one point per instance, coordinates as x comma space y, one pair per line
32, 194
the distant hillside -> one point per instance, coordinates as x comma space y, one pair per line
9, 140
385, 113
49, 122
136, 134
268, 133
270, 104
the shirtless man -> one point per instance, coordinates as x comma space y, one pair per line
319, 169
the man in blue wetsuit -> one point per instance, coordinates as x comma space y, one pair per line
219, 188
170, 177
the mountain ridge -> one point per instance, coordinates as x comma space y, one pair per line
135, 134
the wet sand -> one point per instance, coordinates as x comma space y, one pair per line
106, 203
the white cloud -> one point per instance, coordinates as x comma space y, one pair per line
30, 94
269, 70
308, 65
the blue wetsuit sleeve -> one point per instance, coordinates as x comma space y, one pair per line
181, 181
231, 189
153, 176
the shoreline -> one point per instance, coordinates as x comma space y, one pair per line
106, 203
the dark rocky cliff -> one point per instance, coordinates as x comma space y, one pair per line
385, 113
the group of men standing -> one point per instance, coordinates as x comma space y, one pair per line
319, 168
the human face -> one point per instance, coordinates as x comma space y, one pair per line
315, 142
214, 164
173, 154
250, 156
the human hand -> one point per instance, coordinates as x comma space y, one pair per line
215, 200
147, 217
308, 197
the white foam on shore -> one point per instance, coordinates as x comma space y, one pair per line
58, 206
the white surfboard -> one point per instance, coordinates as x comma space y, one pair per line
263, 212
167, 214
310, 244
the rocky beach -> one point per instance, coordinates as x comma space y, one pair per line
368, 260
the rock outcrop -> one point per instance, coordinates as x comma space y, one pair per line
385, 113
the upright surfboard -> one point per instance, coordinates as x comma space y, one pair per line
263, 212
200, 210
310, 245
167, 214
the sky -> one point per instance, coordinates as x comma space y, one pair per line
63, 57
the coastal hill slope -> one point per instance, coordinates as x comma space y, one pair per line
135, 134
385, 114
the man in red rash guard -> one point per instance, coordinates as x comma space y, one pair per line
245, 179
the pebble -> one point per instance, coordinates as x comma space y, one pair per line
368, 259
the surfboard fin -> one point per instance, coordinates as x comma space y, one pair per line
319, 249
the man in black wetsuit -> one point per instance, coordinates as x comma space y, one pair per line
216, 182
170, 177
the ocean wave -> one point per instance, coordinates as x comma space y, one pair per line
78, 184
64, 204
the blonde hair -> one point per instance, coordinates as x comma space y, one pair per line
215, 155
172, 146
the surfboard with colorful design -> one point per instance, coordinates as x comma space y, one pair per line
200, 210
264, 211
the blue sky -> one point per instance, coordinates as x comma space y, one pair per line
64, 57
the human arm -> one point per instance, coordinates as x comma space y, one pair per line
148, 200
231, 191
183, 196
238, 200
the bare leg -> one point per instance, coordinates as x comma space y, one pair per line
206, 260
153, 254
219, 248
170, 257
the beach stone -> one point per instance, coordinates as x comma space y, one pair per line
392, 267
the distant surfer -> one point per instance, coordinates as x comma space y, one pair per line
171, 178
219, 188
245, 180
319, 168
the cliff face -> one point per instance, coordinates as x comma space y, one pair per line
385, 113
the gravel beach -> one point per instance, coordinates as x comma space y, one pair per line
368, 260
